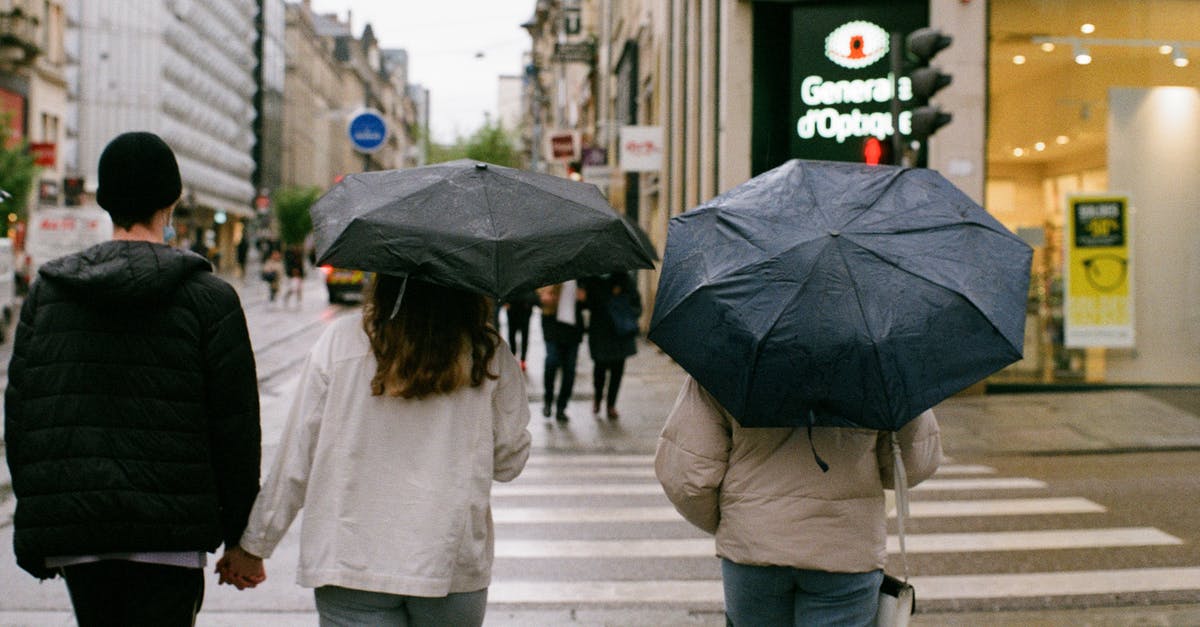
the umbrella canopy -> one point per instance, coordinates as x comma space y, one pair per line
841, 294
642, 235
475, 226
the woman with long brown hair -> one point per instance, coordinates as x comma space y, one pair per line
401, 421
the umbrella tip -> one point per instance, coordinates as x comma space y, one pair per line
480, 166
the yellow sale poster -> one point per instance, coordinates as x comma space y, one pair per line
1097, 279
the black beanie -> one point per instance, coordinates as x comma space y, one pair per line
138, 175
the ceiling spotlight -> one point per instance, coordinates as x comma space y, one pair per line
1087, 29
1018, 152
1061, 139
1019, 59
1040, 146
1082, 56
1047, 46
1179, 58
1166, 49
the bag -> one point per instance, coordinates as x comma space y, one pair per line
269, 277
897, 598
623, 314
897, 602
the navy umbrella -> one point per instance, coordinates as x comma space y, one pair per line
476, 226
840, 294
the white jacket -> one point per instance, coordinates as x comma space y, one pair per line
396, 492
761, 492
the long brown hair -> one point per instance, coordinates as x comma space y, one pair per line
419, 351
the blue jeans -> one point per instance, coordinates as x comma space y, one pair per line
347, 607
779, 595
560, 356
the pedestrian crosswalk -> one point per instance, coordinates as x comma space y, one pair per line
596, 529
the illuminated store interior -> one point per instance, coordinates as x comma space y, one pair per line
1100, 96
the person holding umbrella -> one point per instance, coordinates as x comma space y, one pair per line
823, 306
487, 229
403, 418
798, 545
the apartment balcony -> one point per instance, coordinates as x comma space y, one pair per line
18, 38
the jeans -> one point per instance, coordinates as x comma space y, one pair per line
347, 607
779, 595
122, 593
560, 355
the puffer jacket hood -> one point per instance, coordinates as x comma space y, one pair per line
124, 271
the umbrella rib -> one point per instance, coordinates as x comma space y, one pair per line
925, 279
866, 323
882, 193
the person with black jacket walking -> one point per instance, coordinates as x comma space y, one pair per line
615, 306
131, 413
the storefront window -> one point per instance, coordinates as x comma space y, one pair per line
1096, 98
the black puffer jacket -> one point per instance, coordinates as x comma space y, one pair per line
131, 414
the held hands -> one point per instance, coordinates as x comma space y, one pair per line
240, 569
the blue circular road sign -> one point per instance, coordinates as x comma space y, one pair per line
367, 130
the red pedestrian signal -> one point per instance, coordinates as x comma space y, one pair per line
875, 151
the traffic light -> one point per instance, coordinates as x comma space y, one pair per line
924, 44
876, 152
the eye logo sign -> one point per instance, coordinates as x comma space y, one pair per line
856, 45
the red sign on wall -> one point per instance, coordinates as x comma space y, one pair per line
563, 145
44, 153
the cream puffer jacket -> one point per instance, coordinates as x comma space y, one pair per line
761, 492
396, 493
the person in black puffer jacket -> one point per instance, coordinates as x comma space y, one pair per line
131, 413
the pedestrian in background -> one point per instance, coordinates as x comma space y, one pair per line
293, 271
518, 311
272, 274
295, 286
131, 413
434, 409
243, 251
562, 330
798, 545
199, 243
614, 307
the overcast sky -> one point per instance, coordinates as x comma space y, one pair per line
456, 49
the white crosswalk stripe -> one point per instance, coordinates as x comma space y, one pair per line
919, 509
564, 508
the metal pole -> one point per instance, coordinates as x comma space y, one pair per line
896, 57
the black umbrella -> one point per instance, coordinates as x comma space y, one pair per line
476, 226
841, 294
641, 234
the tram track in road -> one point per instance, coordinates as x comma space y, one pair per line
280, 348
